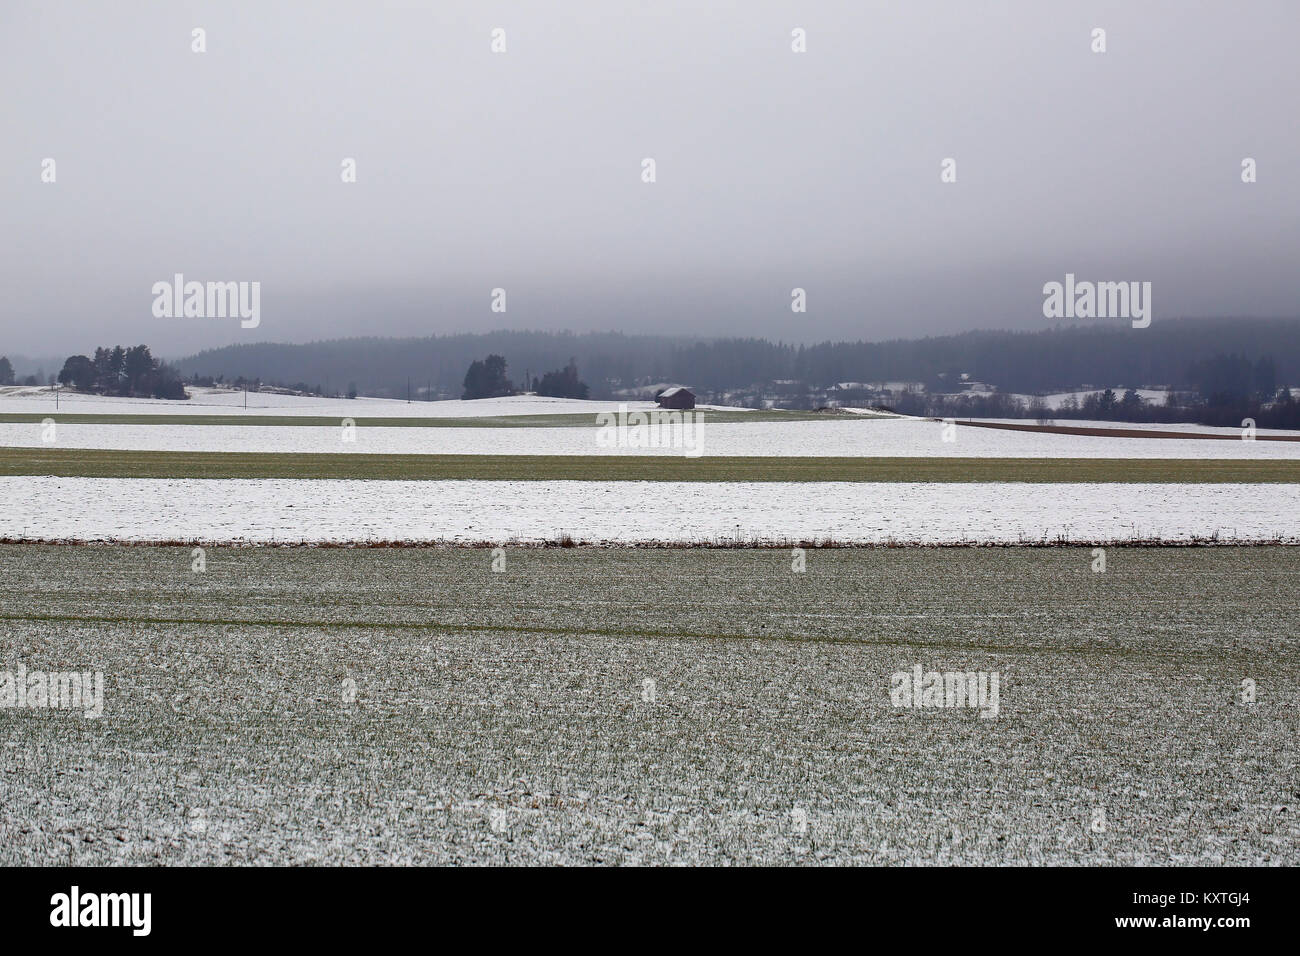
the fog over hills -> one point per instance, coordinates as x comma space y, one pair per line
522, 170
1061, 358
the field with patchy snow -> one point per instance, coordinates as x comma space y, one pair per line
336, 508
834, 437
293, 706
362, 706
267, 510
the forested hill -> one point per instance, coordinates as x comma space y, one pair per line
1049, 360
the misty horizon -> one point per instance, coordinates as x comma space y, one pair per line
522, 170
26, 364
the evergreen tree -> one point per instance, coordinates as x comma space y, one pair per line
487, 379
563, 383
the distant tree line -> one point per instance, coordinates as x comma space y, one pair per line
255, 384
1052, 360
1221, 390
435, 367
132, 372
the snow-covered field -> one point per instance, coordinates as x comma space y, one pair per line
265, 510
1230, 430
342, 510
883, 438
210, 401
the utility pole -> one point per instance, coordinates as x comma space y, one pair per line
408, 390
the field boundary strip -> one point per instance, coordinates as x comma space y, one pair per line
113, 463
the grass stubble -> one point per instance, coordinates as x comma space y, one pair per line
502, 717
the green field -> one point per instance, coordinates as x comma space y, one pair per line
108, 463
393, 706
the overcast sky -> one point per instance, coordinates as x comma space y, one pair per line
522, 170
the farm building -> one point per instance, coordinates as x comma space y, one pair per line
676, 397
